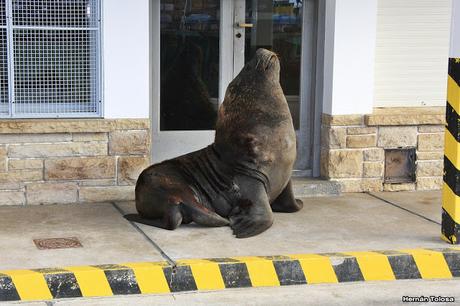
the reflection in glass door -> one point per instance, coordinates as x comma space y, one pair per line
189, 64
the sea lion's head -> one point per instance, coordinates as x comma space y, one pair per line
267, 62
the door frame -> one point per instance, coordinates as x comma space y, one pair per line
230, 65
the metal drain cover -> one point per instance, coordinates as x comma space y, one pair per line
57, 243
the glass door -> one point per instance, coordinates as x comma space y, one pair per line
189, 72
199, 46
286, 27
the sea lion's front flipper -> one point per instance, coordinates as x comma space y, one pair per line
203, 216
286, 202
252, 213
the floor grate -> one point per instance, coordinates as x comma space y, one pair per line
58, 243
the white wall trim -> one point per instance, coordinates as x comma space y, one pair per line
455, 30
126, 58
350, 49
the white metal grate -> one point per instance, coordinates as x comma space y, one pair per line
3, 61
54, 58
55, 13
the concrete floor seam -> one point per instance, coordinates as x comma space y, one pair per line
156, 246
400, 207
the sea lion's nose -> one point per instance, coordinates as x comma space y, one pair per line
261, 52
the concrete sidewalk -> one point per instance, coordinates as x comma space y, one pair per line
351, 222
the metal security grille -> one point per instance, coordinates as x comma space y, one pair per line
3, 61
50, 58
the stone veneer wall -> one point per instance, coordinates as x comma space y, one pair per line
352, 147
71, 160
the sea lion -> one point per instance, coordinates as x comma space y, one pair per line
240, 179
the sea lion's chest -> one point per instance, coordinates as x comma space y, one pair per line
265, 142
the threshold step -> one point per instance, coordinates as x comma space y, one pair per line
313, 187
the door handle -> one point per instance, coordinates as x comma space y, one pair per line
245, 25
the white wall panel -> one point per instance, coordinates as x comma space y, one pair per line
412, 51
126, 58
350, 32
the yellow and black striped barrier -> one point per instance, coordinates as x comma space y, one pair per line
451, 186
223, 273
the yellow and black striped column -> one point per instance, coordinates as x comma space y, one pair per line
451, 187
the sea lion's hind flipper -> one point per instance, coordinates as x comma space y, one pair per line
286, 202
169, 222
203, 216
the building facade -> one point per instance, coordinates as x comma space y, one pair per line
93, 91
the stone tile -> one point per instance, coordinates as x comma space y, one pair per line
12, 197
3, 164
108, 193
105, 235
400, 116
57, 149
80, 168
398, 136
360, 185
21, 126
3, 159
374, 154
35, 138
21, 176
361, 130
333, 138
9, 185
78, 137
23, 164
431, 142
324, 163
46, 193
100, 182
399, 187
131, 124
345, 163
373, 169
439, 155
426, 203
129, 142
307, 231
431, 128
361, 141
129, 168
429, 183
430, 168
3, 151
